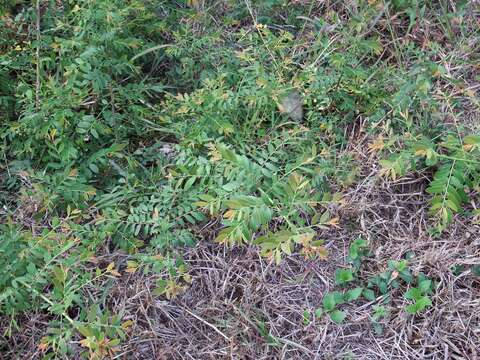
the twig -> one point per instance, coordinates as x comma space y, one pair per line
208, 324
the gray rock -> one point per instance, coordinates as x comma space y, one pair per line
292, 106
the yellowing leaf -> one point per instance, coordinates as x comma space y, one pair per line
182, 110
230, 214
132, 266
111, 270
200, 203
214, 154
377, 145
194, 4
421, 152
86, 342
91, 191
115, 273
127, 324
470, 93
187, 278
172, 289
315, 251
44, 344
333, 222
321, 252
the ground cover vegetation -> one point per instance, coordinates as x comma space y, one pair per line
239, 179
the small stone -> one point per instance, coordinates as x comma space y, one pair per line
291, 105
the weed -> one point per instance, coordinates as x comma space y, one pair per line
134, 129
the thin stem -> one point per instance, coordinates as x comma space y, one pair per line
37, 82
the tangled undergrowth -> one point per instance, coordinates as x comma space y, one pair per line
239, 179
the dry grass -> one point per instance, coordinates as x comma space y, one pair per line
234, 290
234, 293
